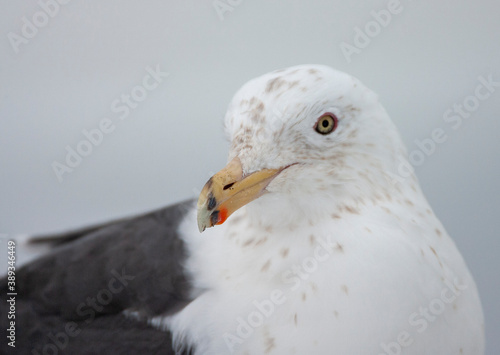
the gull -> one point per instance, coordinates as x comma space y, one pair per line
312, 242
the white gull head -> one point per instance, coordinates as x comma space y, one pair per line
272, 122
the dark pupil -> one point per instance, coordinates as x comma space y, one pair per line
325, 123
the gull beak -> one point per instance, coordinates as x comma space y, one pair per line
228, 190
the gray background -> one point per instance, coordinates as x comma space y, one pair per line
427, 59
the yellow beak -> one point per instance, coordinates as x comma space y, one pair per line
229, 190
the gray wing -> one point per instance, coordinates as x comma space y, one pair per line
71, 301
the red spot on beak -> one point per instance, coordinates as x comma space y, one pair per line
222, 215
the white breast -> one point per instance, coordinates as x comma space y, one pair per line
374, 285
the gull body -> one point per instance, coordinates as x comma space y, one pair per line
320, 245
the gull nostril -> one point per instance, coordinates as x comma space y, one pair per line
228, 186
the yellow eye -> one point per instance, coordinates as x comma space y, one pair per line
326, 124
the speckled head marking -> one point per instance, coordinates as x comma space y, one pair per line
271, 123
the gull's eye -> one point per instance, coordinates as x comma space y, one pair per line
326, 124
